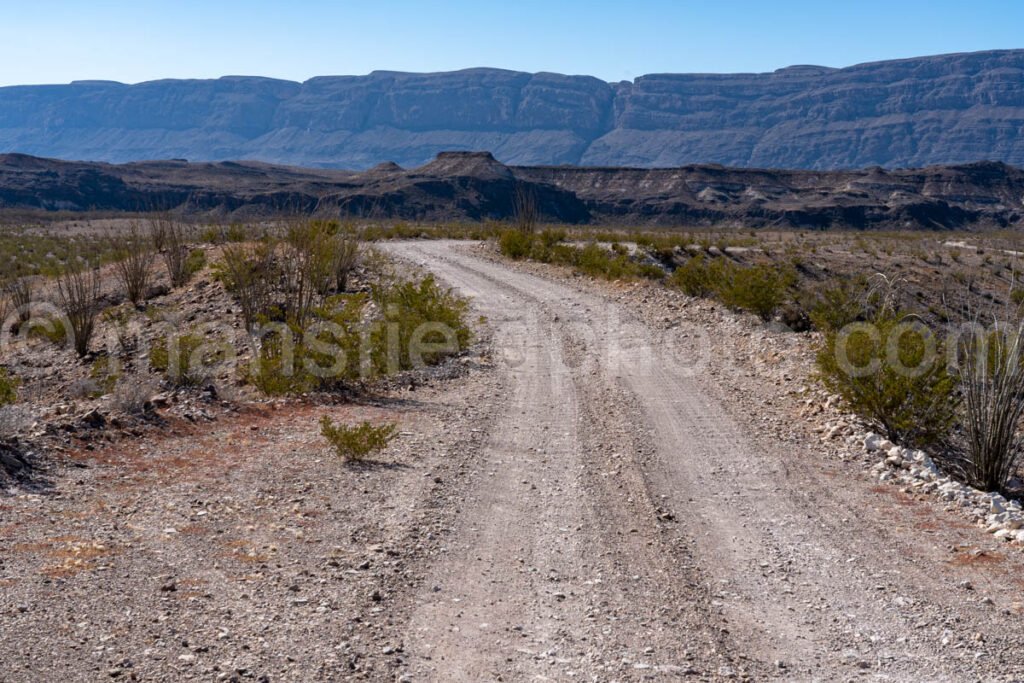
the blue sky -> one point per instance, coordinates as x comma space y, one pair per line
56, 41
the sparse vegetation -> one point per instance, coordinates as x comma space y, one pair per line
131, 395
8, 387
134, 264
19, 292
247, 271
186, 360
78, 291
525, 210
991, 373
697, 277
354, 444
891, 371
170, 239
759, 289
423, 324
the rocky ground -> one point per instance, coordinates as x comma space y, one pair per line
617, 482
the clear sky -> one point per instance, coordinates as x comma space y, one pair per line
56, 41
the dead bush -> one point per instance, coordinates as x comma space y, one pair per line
134, 264
19, 292
172, 239
525, 211
131, 395
346, 258
78, 290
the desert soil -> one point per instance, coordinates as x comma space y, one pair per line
616, 483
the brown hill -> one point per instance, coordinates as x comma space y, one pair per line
474, 186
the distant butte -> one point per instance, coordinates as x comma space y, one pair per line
475, 186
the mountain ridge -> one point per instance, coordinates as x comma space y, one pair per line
911, 112
474, 186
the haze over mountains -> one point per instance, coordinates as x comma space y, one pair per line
932, 110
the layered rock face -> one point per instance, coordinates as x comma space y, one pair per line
932, 110
475, 186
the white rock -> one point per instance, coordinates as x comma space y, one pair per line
1003, 534
872, 442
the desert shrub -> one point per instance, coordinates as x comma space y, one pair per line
8, 387
321, 356
650, 271
170, 239
839, 304
891, 372
6, 306
525, 210
78, 292
50, 328
185, 360
423, 323
345, 259
219, 234
992, 382
248, 272
120, 320
353, 444
307, 259
699, 276
515, 244
596, 261
194, 262
131, 395
134, 264
19, 292
549, 237
103, 375
759, 289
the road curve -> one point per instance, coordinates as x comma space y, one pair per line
628, 521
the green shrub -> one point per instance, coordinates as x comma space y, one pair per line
194, 262
8, 387
650, 271
104, 375
839, 305
759, 289
699, 276
515, 244
892, 373
423, 322
51, 329
322, 357
186, 360
353, 444
549, 237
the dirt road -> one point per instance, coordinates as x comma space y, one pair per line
613, 484
630, 521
